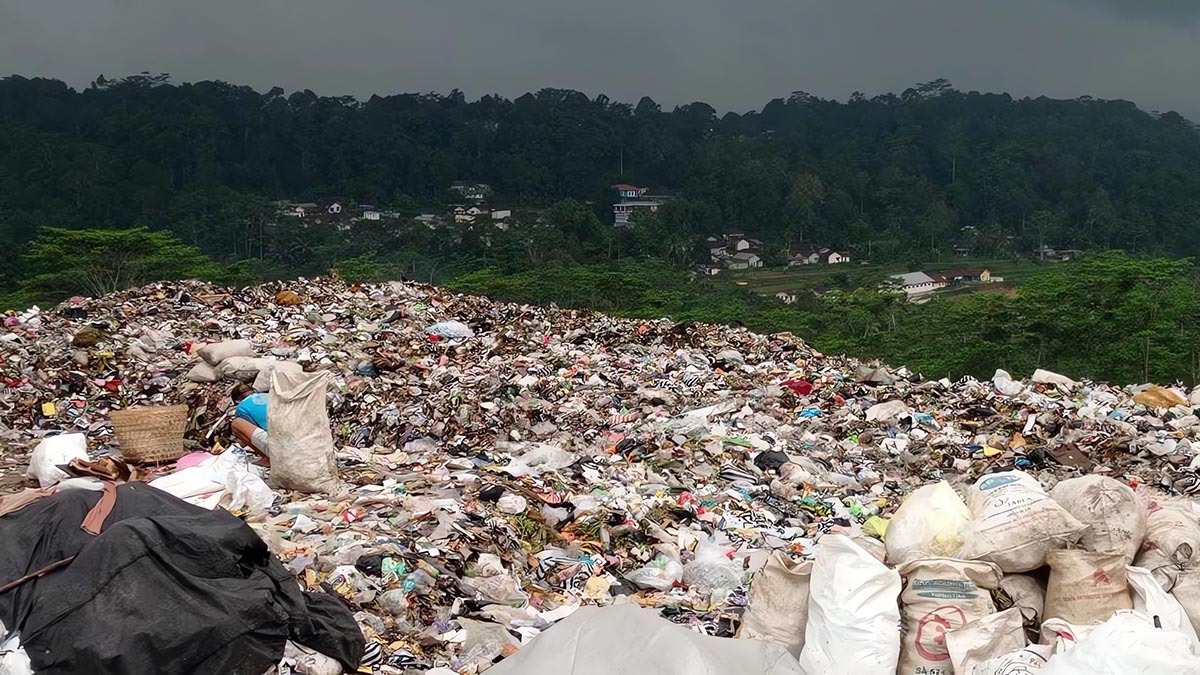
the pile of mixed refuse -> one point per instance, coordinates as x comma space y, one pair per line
457, 485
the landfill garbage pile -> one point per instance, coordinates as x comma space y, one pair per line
499, 466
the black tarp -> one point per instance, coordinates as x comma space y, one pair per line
166, 587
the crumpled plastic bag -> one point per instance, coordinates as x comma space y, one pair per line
1128, 643
484, 641
450, 330
53, 451
248, 491
1004, 383
933, 522
305, 661
13, 659
713, 571
538, 460
660, 574
852, 612
1150, 599
888, 410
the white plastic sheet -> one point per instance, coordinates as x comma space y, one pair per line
1128, 644
629, 639
1150, 599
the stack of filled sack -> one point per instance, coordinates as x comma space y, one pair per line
236, 361
1091, 577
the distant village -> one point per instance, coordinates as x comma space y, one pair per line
732, 250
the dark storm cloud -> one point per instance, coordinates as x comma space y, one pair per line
733, 54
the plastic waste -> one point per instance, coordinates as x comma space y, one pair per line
1129, 644
1150, 599
933, 522
302, 453
53, 451
852, 612
984, 639
941, 595
538, 460
712, 571
660, 574
450, 330
1086, 588
1115, 517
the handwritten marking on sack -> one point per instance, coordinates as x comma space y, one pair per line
930, 639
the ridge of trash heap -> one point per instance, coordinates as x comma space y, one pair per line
506, 464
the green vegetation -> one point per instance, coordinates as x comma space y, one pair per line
1108, 317
61, 263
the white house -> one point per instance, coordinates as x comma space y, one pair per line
467, 214
369, 212
624, 212
835, 257
744, 261
628, 191
918, 283
787, 296
502, 214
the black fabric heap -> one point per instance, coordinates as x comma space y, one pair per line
166, 587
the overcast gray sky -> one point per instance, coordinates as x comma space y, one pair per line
733, 54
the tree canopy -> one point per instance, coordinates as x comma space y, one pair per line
893, 176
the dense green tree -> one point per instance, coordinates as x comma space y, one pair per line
66, 262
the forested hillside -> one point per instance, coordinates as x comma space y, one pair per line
895, 173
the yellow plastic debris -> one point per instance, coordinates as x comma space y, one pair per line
875, 526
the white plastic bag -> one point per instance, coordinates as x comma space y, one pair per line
778, 603
852, 612
53, 451
248, 491
450, 330
1115, 517
1016, 523
1004, 384
660, 574
712, 571
13, 658
538, 459
1128, 644
1150, 599
302, 452
932, 522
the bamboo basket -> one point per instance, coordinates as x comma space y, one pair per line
150, 434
